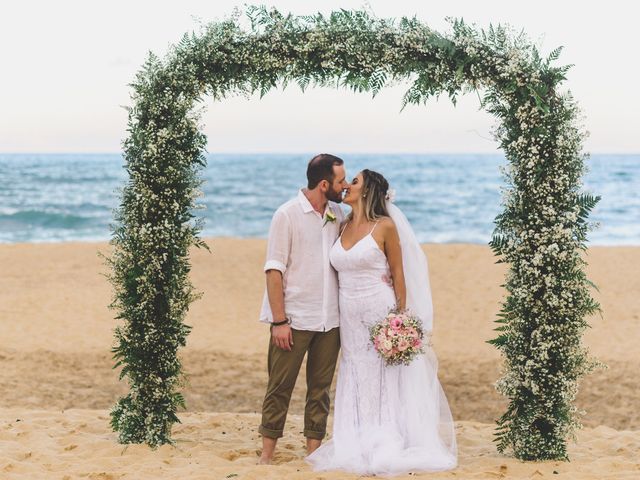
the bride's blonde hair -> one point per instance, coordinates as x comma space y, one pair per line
374, 195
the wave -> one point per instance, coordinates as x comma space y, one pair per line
39, 218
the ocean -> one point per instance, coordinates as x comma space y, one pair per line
447, 197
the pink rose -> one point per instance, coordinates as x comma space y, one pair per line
395, 323
417, 343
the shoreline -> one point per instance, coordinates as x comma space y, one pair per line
224, 237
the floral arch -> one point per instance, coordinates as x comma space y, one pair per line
540, 234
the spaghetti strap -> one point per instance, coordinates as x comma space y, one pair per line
343, 229
374, 227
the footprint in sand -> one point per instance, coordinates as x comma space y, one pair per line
104, 476
233, 455
284, 457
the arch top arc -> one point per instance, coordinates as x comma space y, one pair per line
353, 50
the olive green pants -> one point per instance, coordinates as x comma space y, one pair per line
283, 366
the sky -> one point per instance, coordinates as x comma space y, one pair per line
66, 66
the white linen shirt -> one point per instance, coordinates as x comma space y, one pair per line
298, 246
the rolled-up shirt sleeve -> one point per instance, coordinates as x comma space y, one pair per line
279, 243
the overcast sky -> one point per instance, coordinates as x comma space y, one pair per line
66, 66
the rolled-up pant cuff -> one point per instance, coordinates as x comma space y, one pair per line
267, 432
313, 434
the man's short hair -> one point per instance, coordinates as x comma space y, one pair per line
321, 168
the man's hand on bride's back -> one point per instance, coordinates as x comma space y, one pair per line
282, 337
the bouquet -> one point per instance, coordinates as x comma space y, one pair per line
398, 337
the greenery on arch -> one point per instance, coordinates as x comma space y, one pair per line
540, 234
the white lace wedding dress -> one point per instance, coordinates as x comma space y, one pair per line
387, 420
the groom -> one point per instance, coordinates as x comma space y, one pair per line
301, 302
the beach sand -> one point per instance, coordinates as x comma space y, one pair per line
58, 383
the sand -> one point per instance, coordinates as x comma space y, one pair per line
56, 332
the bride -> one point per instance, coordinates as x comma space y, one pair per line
388, 419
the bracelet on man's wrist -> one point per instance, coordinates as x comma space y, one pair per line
286, 321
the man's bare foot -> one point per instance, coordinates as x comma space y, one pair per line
312, 445
268, 447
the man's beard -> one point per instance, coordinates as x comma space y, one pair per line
334, 196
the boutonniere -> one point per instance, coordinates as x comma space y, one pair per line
329, 217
